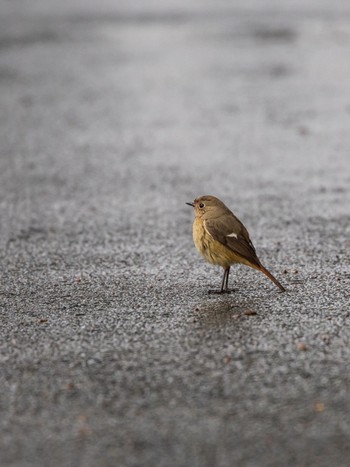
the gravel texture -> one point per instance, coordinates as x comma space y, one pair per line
113, 115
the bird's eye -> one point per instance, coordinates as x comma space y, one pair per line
201, 205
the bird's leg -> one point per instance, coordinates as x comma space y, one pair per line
224, 283
224, 280
227, 290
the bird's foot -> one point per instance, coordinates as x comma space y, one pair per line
220, 292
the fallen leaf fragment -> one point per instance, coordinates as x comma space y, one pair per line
302, 346
250, 313
319, 407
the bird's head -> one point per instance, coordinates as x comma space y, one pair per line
208, 207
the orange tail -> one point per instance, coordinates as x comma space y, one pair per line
271, 277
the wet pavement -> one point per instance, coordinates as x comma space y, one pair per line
112, 117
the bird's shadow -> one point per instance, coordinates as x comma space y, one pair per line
223, 311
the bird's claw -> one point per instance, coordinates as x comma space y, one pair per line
220, 292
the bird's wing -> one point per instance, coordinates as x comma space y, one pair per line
229, 231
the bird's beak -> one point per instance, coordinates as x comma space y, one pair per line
191, 204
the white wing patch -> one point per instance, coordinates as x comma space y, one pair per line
232, 235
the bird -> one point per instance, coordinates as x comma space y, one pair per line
223, 240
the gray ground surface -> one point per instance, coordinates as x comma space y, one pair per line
112, 353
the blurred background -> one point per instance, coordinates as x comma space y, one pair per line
184, 98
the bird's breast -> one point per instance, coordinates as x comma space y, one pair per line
212, 250
200, 236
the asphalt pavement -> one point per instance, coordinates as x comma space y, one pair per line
112, 116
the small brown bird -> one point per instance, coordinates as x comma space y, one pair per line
222, 239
